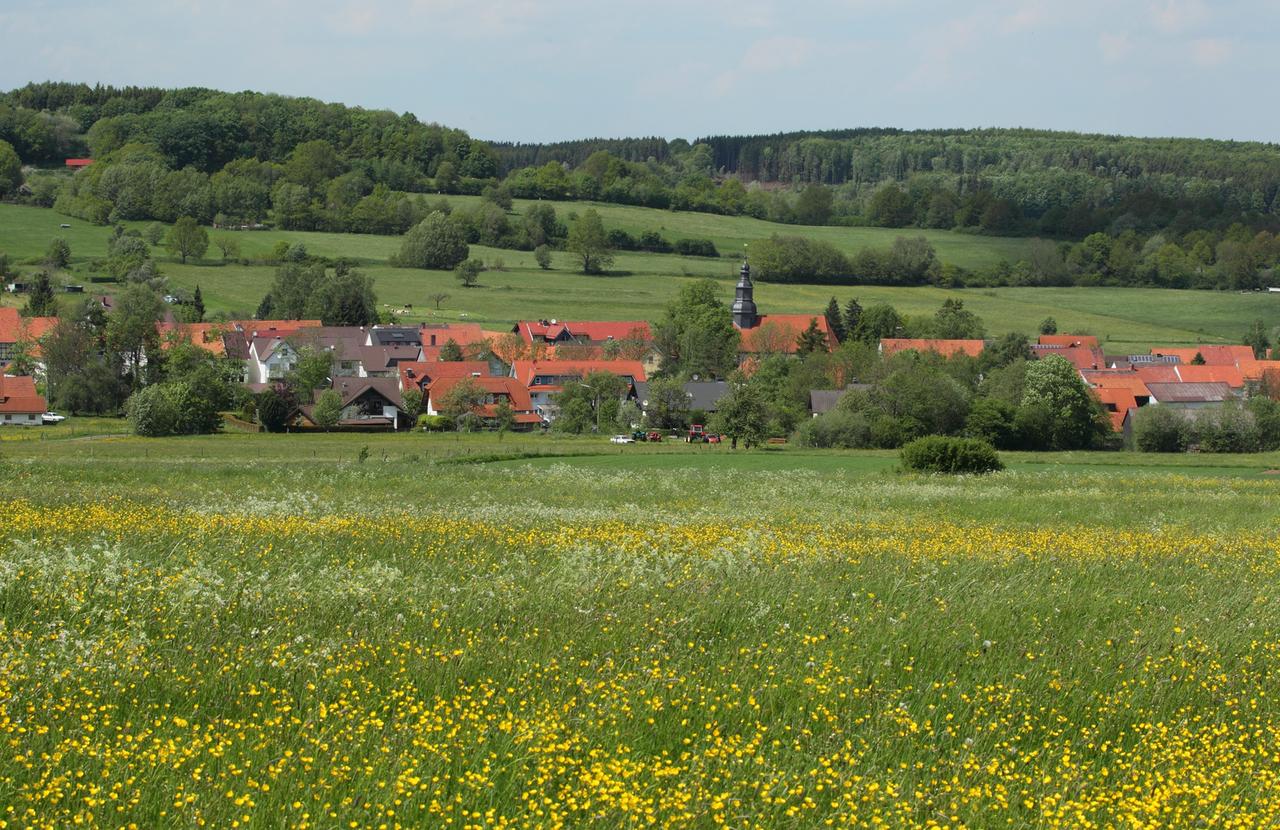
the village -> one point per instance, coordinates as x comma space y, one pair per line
458, 375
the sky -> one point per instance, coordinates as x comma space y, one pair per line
544, 70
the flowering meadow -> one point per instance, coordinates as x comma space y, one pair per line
235, 642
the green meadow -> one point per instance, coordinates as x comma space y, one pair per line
641, 284
413, 630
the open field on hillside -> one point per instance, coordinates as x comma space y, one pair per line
1130, 317
263, 631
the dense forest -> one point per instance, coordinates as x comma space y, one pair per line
1126, 211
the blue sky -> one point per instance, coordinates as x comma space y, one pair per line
541, 70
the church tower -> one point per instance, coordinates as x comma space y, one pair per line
744, 304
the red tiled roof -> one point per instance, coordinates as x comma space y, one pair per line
418, 372
464, 334
10, 325
1255, 369
1215, 355
779, 333
18, 396
1081, 357
1116, 379
526, 370
595, 331
79, 162
1117, 401
1191, 373
514, 390
15, 327
1158, 373
947, 348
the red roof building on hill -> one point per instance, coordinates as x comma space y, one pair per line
1118, 402
780, 333
20, 404
890, 346
1081, 357
1215, 355
591, 332
496, 390
76, 164
545, 378
14, 329
421, 374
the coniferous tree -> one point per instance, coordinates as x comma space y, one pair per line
834, 319
852, 316
197, 302
811, 339
42, 302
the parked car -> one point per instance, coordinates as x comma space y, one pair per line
622, 439
653, 435
52, 418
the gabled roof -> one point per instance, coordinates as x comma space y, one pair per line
947, 348
14, 327
424, 372
1158, 373
1213, 355
352, 388
1124, 379
464, 334
18, 396
1081, 357
779, 333
394, 336
1190, 392
526, 370
595, 331
705, 394
1117, 401
516, 391
1067, 341
1191, 373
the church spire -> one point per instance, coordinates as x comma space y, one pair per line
744, 304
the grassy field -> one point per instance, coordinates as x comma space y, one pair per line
263, 631
1129, 318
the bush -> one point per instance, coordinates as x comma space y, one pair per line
181, 408
991, 420
939, 454
1229, 428
1161, 429
696, 247
153, 412
435, 423
836, 429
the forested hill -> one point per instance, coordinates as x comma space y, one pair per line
205, 129
1159, 211
876, 154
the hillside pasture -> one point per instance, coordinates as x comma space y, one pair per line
641, 284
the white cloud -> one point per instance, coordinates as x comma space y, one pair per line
777, 53
1115, 47
764, 57
1173, 16
939, 47
1027, 16
1211, 51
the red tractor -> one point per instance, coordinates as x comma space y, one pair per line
697, 434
